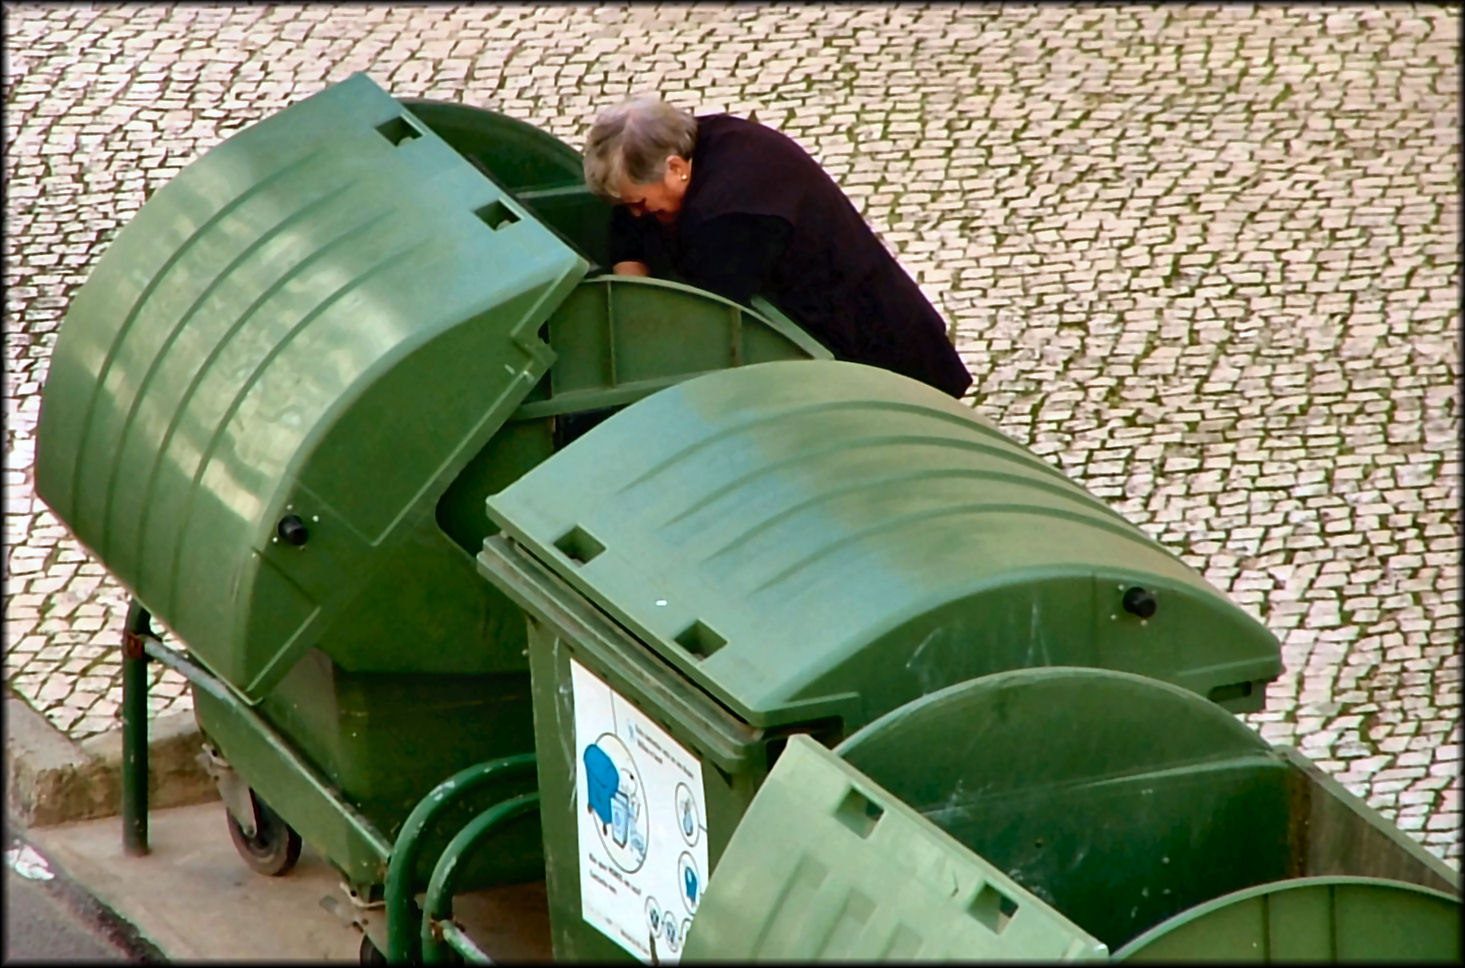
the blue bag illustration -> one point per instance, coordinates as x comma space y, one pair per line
603, 779
689, 878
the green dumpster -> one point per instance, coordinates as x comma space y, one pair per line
784, 549
828, 866
1131, 813
275, 408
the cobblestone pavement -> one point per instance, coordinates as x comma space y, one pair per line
1204, 259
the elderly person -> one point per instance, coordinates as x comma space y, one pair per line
739, 209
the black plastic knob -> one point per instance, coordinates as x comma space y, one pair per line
1138, 601
292, 530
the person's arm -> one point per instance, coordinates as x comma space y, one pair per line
734, 255
628, 244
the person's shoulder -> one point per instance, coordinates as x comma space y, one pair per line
716, 125
721, 120
729, 129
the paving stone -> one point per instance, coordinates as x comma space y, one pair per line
1230, 309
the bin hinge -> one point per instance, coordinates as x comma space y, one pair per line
232, 789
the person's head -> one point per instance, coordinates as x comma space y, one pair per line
638, 154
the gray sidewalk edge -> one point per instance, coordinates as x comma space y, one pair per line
52, 779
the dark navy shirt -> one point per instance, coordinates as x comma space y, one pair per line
760, 217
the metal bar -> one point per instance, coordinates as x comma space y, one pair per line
455, 938
188, 668
401, 938
135, 731
437, 906
572, 190
735, 338
312, 783
610, 335
594, 398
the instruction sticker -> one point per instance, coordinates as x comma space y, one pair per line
642, 824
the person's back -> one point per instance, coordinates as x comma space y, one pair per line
753, 213
832, 274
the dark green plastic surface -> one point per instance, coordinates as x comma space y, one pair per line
783, 548
827, 866
348, 312
1313, 919
325, 316
1122, 801
544, 174
830, 540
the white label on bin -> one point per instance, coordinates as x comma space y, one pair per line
642, 825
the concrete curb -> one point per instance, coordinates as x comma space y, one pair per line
52, 779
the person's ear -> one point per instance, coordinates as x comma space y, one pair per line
678, 169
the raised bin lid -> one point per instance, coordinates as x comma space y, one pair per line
1320, 920
821, 538
326, 315
828, 865
1131, 805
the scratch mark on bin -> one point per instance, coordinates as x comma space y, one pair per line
1035, 638
567, 726
924, 670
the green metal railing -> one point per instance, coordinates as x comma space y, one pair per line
437, 906
401, 939
429, 940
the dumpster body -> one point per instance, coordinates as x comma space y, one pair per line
781, 549
276, 406
1138, 815
828, 866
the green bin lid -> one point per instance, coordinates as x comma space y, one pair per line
820, 538
1132, 805
325, 316
828, 865
1310, 919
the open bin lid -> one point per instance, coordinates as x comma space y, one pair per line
1135, 808
326, 316
827, 865
1311, 919
819, 538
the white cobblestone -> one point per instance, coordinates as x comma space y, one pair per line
1226, 305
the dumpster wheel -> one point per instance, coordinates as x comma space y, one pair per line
370, 953
275, 846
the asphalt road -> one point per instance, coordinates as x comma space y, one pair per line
52, 919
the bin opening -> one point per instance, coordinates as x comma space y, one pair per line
1117, 856
1138, 802
542, 173
826, 732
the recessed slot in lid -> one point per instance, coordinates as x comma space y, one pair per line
496, 215
398, 131
993, 908
700, 640
579, 545
859, 813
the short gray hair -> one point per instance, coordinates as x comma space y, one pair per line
633, 140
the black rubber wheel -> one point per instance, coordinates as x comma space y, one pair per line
273, 849
370, 953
